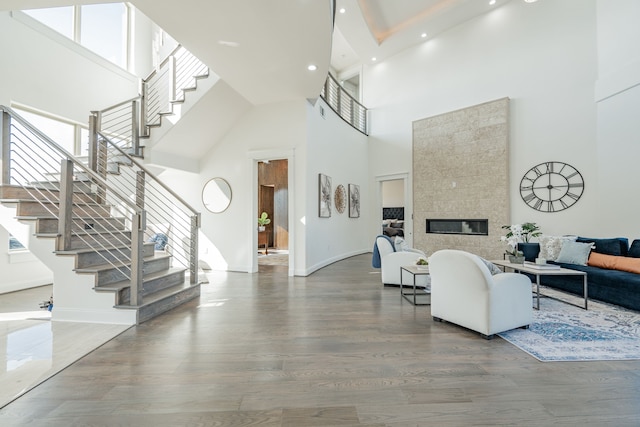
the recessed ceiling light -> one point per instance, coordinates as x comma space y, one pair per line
343, 10
423, 35
492, 2
312, 67
228, 43
530, 1
374, 59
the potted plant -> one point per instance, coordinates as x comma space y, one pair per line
518, 239
263, 220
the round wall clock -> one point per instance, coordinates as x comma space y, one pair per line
340, 198
551, 186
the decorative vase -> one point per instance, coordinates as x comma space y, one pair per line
261, 228
516, 259
529, 250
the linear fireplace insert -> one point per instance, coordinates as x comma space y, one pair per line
478, 227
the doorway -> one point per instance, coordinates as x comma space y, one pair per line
273, 199
394, 200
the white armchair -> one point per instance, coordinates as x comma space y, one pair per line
464, 292
391, 261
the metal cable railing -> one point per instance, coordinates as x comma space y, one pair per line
171, 222
125, 122
344, 104
91, 212
177, 73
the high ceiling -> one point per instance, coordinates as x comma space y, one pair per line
367, 29
262, 48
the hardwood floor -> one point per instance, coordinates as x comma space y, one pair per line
331, 349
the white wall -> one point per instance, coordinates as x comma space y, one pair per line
393, 193
618, 98
542, 56
44, 70
227, 238
335, 149
20, 269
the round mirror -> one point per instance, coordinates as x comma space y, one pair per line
216, 195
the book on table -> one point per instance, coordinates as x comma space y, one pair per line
542, 266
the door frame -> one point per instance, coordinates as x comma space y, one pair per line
408, 203
259, 156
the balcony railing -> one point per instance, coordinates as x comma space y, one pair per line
344, 104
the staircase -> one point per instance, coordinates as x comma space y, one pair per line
121, 244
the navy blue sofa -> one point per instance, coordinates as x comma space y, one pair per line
611, 286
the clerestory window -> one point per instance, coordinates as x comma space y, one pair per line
101, 28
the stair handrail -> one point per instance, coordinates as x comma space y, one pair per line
70, 156
344, 105
138, 107
65, 197
138, 180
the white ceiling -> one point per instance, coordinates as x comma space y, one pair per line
382, 28
262, 48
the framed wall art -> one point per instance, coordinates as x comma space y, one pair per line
340, 199
324, 196
354, 201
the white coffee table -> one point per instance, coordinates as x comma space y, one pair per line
538, 272
414, 270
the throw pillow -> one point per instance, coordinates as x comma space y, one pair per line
634, 250
160, 240
617, 246
493, 269
401, 244
612, 262
574, 253
550, 246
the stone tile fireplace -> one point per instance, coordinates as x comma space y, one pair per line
461, 172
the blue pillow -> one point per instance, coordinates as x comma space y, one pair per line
634, 250
617, 246
574, 253
160, 240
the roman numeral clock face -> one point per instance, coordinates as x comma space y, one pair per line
551, 186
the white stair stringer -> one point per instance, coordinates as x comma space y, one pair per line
74, 298
180, 107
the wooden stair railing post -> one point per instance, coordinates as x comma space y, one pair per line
137, 240
193, 249
65, 205
94, 126
140, 185
5, 143
135, 127
172, 81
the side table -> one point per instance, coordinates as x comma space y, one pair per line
414, 270
263, 239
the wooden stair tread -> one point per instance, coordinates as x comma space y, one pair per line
88, 250
162, 294
117, 286
108, 266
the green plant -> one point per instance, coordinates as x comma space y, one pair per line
519, 233
523, 232
263, 219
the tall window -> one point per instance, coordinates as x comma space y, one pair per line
71, 136
101, 28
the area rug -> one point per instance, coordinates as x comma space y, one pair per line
562, 332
